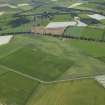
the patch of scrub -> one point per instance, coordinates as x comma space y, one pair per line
97, 16
101, 80
65, 24
5, 39
75, 5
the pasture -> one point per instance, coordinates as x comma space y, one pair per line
48, 67
81, 92
45, 70
58, 59
50, 59
87, 32
15, 89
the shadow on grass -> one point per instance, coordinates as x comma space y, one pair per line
90, 21
18, 22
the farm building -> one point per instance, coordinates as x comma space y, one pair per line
57, 28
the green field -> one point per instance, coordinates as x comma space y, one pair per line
26, 58
87, 32
45, 70
85, 92
48, 67
50, 59
15, 91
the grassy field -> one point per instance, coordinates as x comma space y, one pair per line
92, 49
10, 23
48, 67
58, 59
85, 92
3, 71
62, 18
49, 59
87, 32
32, 67
15, 91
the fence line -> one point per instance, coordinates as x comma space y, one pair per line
58, 36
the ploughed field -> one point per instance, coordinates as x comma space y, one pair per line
38, 70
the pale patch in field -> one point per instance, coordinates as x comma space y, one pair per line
81, 24
75, 5
8, 5
1, 104
3, 5
97, 16
101, 80
5, 39
65, 24
11, 6
1, 13
54, 0
25, 4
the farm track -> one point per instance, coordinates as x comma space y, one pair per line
46, 82
58, 36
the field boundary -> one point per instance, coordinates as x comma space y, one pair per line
54, 35
46, 82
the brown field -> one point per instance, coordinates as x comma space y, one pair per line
52, 31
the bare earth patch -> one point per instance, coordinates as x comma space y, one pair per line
101, 80
5, 39
43, 30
